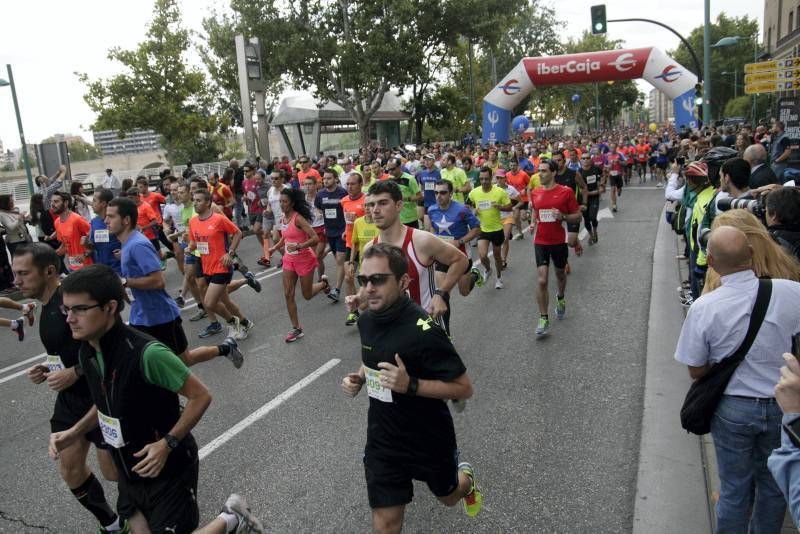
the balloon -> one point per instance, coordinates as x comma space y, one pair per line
576, 98
520, 123
653, 127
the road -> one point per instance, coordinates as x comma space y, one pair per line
552, 429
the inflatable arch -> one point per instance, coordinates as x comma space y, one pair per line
652, 64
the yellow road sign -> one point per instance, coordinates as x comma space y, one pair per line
778, 64
772, 76
771, 87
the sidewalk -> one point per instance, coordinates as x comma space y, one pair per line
677, 485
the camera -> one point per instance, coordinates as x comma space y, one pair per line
757, 207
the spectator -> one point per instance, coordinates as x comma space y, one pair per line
746, 425
742, 142
779, 149
783, 218
760, 173
48, 186
784, 462
111, 182
12, 222
79, 201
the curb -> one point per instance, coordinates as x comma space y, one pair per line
671, 491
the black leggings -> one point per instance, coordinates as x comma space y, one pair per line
590, 215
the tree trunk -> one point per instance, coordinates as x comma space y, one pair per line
364, 131
419, 122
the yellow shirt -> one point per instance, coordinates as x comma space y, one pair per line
486, 207
534, 183
363, 233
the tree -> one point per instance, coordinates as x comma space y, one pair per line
161, 92
727, 59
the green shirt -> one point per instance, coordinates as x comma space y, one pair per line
409, 187
474, 176
161, 367
486, 206
458, 178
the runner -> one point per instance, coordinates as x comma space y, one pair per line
300, 261
155, 200
410, 368
552, 204
208, 234
311, 188
614, 166
147, 220
253, 186
270, 217
152, 310
427, 179
507, 216
642, 155
353, 206
451, 173
71, 228
308, 171
595, 180
329, 201
489, 200
102, 244
36, 274
519, 179
172, 227
221, 194
410, 190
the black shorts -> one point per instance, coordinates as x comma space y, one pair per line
219, 278
558, 253
616, 181
168, 504
574, 227
442, 268
68, 410
170, 334
390, 483
497, 238
522, 205
254, 218
337, 243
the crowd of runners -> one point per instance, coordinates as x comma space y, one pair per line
404, 228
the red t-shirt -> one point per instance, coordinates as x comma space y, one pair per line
252, 199
154, 200
353, 209
614, 163
642, 152
211, 237
549, 231
70, 232
630, 152
314, 173
145, 219
221, 195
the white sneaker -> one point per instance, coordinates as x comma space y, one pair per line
499, 284
235, 328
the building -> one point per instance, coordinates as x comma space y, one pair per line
781, 28
660, 106
137, 141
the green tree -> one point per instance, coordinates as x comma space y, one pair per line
159, 91
727, 59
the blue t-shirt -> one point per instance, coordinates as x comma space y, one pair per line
427, 182
329, 203
454, 222
526, 165
151, 306
105, 243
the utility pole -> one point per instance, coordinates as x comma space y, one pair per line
707, 62
244, 93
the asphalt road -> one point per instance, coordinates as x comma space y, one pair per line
552, 430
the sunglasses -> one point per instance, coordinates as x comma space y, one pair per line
442, 193
377, 279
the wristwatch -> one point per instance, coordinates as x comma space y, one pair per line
171, 440
441, 292
413, 384
792, 430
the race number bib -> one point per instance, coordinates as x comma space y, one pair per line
202, 247
251, 196
430, 186
547, 216
75, 262
592, 179
349, 217
53, 363
374, 387
484, 204
111, 429
101, 236
330, 213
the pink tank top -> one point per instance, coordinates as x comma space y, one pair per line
294, 234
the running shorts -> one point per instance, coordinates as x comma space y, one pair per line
558, 253
496, 238
219, 278
170, 334
254, 218
390, 483
68, 410
616, 181
301, 264
337, 243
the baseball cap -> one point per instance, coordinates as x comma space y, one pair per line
500, 172
430, 156
697, 168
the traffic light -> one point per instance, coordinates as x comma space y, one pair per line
252, 56
599, 19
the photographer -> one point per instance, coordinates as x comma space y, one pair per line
734, 184
783, 218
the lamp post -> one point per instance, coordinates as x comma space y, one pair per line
735, 86
10, 82
730, 41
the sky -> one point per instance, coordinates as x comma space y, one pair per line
46, 41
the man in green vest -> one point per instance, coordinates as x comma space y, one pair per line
697, 182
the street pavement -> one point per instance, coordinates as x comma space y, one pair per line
553, 428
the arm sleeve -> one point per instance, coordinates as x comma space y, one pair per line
162, 368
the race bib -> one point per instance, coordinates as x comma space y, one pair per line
111, 429
330, 213
374, 387
202, 247
592, 179
484, 204
53, 363
101, 236
446, 237
75, 262
547, 216
251, 195
430, 186
349, 217
614, 173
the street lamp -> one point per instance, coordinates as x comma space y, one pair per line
732, 40
735, 86
10, 82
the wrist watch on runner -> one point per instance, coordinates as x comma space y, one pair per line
171, 440
413, 384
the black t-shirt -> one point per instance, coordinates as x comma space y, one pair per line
409, 428
57, 338
567, 178
592, 176
238, 180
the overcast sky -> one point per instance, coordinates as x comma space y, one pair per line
45, 41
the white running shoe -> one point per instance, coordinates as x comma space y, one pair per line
235, 328
499, 284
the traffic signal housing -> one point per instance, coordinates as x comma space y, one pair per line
599, 23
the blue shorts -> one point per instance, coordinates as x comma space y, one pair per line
337, 243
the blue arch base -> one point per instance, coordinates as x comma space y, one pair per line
496, 124
684, 111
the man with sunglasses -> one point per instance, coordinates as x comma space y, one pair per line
410, 368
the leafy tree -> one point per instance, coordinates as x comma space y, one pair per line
727, 59
160, 91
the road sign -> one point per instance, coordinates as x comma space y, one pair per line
778, 64
771, 87
772, 76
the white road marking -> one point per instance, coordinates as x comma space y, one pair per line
29, 360
11, 377
265, 409
259, 278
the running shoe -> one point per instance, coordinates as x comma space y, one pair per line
486, 273
479, 279
17, 326
264, 262
473, 499
561, 307
334, 294
252, 282
234, 354
124, 528
518, 236
245, 329
180, 302
543, 327
200, 315
211, 330
499, 284
248, 523
614, 208
293, 335
324, 280
352, 318
594, 236
235, 328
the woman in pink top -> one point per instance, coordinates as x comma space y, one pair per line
299, 260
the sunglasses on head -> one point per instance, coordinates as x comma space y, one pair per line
377, 279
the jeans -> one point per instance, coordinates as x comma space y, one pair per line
745, 432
